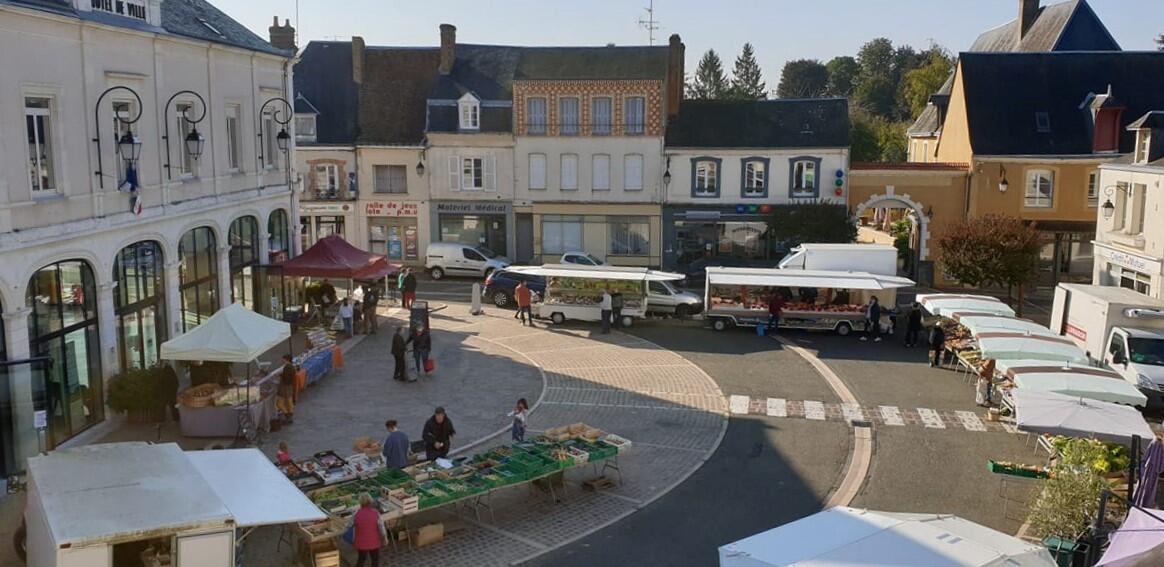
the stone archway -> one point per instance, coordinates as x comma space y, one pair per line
903, 201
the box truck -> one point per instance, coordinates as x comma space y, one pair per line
878, 259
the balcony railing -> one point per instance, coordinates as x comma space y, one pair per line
329, 194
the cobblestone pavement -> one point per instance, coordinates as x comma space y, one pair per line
673, 413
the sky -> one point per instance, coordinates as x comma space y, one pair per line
780, 30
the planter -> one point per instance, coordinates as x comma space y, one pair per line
151, 415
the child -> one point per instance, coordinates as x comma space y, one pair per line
283, 457
519, 414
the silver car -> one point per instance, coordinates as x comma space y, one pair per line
664, 299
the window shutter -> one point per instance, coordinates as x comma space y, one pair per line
490, 173
537, 171
454, 173
632, 173
600, 174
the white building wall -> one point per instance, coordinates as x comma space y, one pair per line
585, 148
1117, 246
682, 164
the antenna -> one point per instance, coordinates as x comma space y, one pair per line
650, 24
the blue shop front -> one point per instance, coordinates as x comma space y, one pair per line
733, 234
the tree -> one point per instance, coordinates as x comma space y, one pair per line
876, 95
815, 221
803, 78
843, 75
873, 138
747, 80
709, 81
991, 250
876, 59
918, 84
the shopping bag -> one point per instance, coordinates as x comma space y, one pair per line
429, 365
350, 535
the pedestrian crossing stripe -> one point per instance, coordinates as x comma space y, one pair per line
814, 410
893, 416
930, 418
852, 412
777, 407
738, 405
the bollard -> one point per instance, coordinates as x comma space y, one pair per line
476, 306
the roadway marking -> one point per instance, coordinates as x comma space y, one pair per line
852, 412
930, 418
891, 415
970, 421
777, 407
738, 405
814, 410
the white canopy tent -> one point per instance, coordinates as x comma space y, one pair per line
1057, 414
803, 278
1007, 365
234, 334
596, 272
1103, 388
846, 537
1028, 346
255, 492
947, 304
923, 297
982, 324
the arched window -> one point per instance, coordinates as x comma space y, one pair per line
198, 276
63, 327
139, 301
244, 255
280, 233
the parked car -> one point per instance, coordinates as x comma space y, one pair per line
580, 258
696, 271
456, 259
500, 284
664, 299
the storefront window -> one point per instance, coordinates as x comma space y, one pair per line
744, 240
395, 238
1130, 279
139, 300
244, 255
474, 230
327, 226
629, 236
279, 233
198, 276
63, 327
561, 234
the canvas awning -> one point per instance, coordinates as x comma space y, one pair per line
234, 334
596, 272
980, 324
1138, 541
1028, 346
1005, 365
255, 492
1081, 385
334, 257
1057, 414
947, 304
842, 536
803, 278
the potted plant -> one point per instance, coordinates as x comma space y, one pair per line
135, 393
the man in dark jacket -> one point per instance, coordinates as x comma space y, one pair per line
913, 325
873, 320
438, 435
371, 300
168, 390
398, 349
421, 346
409, 290
937, 344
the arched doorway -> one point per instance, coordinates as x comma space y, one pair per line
244, 256
198, 276
63, 327
916, 212
140, 303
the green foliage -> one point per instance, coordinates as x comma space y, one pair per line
1069, 499
709, 82
843, 75
747, 80
135, 390
918, 84
877, 96
990, 250
1101, 457
813, 221
873, 138
803, 78
901, 231
876, 59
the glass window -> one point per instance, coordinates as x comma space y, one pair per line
535, 116
561, 234
279, 232
41, 162
732, 239
198, 276
139, 303
1093, 188
600, 172
233, 137
1040, 188
396, 238
600, 116
244, 255
472, 255
270, 141
706, 178
657, 288
327, 226
634, 116
1130, 279
472, 174
184, 127
537, 171
390, 179
632, 172
326, 181
629, 235
755, 178
1143, 142
305, 128
470, 111
569, 172
568, 116
804, 178
1134, 208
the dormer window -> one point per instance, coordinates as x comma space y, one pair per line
1042, 122
470, 112
305, 128
1143, 142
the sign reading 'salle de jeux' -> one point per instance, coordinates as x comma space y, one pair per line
125, 8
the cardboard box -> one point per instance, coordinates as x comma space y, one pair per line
430, 534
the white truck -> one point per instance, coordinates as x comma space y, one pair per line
1117, 328
878, 259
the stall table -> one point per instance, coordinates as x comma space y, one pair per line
223, 421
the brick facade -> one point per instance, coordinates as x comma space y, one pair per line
650, 90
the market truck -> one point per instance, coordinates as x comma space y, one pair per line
819, 300
574, 292
872, 258
1118, 328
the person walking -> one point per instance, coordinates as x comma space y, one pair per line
937, 341
395, 447
913, 325
399, 347
524, 299
438, 435
607, 307
409, 289
616, 305
400, 284
873, 320
346, 313
421, 346
371, 302
985, 388
285, 395
519, 414
775, 309
369, 531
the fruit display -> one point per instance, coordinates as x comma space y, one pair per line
1018, 469
238, 396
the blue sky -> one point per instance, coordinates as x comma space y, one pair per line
780, 30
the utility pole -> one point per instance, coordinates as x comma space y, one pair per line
650, 24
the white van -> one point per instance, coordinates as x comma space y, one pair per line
456, 259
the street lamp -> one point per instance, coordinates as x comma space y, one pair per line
1108, 207
283, 117
1002, 184
667, 174
128, 145
283, 140
193, 142
420, 162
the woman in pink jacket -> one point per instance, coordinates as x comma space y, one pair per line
370, 534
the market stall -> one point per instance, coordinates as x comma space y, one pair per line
1000, 324
574, 292
152, 505
815, 300
947, 304
1057, 414
1001, 345
1080, 385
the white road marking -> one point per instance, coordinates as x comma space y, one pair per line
852, 412
738, 405
891, 415
930, 418
1010, 427
814, 410
970, 421
777, 407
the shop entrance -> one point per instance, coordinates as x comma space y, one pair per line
475, 230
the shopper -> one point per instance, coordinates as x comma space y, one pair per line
775, 309
370, 534
519, 414
524, 299
616, 305
937, 341
371, 302
283, 457
409, 288
395, 447
607, 306
913, 325
438, 435
984, 390
346, 313
285, 396
421, 346
399, 347
327, 293
400, 284
168, 390
873, 320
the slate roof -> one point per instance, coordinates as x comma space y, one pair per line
592, 63
928, 123
1153, 120
393, 96
323, 78
484, 70
1004, 91
1048, 32
780, 123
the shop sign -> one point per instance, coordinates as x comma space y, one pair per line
127, 8
411, 248
324, 208
473, 208
1132, 262
390, 209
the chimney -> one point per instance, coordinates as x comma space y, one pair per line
357, 59
282, 36
1028, 13
448, 48
675, 75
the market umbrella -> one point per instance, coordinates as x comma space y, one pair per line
1081, 385
980, 324
844, 536
1028, 345
1007, 365
1139, 541
1145, 495
233, 334
1057, 414
946, 306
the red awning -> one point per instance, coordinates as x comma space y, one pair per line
334, 257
